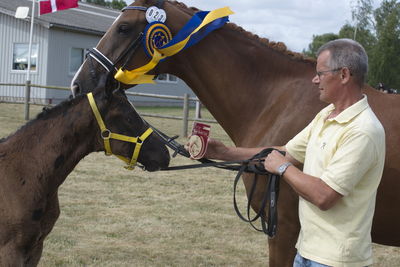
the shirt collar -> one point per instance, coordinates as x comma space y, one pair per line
350, 112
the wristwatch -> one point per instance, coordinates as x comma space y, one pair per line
283, 167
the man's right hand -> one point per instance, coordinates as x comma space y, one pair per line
215, 149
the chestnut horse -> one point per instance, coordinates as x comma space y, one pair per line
261, 94
36, 160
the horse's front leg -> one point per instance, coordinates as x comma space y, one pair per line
282, 247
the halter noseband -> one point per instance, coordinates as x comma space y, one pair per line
106, 134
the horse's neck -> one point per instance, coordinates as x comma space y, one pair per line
241, 80
48, 148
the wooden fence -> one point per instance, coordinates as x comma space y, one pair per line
185, 104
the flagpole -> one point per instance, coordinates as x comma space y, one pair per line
28, 71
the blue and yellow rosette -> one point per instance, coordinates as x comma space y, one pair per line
201, 24
157, 34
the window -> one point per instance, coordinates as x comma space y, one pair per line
167, 78
20, 56
77, 56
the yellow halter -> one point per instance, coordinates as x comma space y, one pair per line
106, 134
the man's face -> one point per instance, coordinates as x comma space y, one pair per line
327, 79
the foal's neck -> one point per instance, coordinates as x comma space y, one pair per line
49, 147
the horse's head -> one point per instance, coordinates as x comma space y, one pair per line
122, 46
126, 133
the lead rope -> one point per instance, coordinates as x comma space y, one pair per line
271, 194
252, 165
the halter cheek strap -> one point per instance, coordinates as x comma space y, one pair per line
106, 134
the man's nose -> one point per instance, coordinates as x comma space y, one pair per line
315, 79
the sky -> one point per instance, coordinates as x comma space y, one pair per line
293, 22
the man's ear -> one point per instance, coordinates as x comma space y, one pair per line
345, 75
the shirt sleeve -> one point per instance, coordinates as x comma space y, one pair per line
297, 146
355, 155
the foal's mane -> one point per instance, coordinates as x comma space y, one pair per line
277, 46
49, 112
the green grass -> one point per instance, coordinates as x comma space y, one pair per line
114, 217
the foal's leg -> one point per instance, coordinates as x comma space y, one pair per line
50, 217
10, 256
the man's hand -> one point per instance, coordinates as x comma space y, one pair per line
215, 148
273, 161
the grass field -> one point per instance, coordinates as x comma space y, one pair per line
114, 217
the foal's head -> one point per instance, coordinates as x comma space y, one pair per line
120, 117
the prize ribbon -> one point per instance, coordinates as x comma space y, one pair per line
201, 24
156, 34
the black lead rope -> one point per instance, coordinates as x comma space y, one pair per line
271, 194
253, 165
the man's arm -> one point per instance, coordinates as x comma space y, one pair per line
311, 188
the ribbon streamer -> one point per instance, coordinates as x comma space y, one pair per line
201, 24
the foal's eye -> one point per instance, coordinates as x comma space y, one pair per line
123, 28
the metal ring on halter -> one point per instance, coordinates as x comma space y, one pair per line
106, 134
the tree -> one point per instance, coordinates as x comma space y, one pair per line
317, 42
116, 4
379, 32
364, 36
385, 59
361, 14
98, 2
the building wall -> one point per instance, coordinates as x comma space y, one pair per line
60, 44
12, 31
54, 48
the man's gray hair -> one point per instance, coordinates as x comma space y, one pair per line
347, 53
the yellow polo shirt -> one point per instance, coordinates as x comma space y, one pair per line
347, 152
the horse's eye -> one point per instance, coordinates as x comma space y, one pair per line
123, 28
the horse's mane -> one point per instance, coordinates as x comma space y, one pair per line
277, 46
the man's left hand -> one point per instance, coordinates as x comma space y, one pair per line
273, 161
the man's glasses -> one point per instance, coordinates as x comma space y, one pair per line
320, 73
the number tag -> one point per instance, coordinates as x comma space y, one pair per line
154, 13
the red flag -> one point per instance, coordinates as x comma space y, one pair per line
48, 6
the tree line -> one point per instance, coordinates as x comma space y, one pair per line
115, 4
378, 30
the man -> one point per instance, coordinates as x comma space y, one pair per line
342, 151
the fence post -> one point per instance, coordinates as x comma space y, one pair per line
185, 114
198, 109
27, 98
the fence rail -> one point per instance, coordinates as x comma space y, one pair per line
185, 104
